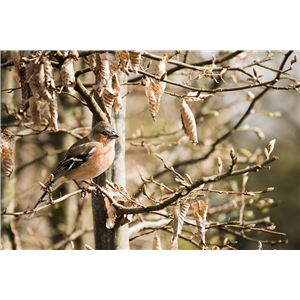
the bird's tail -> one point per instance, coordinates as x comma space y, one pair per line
38, 204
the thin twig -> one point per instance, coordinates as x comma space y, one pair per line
26, 212
213, 91
126, 210
227, 134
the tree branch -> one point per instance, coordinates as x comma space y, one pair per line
226, 135
243, 235
90, 101
181, 66
71, 237
137, 210
146, 225
27, 212
209, 90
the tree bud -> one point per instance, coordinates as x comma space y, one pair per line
232, 153
51, 178
235, 159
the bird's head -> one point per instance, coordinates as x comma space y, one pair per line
103, 132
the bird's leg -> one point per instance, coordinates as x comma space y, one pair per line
83, 189
89, 183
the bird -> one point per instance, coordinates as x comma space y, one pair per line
87, 158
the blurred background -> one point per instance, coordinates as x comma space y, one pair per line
37, 155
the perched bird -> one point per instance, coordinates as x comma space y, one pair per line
86, 159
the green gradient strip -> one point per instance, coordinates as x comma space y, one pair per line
158, 274
135, 275
174, 274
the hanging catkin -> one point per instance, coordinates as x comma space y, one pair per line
153, 93
188, 122
136, 60
67, 74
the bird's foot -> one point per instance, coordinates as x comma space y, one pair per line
93, 184
83, 189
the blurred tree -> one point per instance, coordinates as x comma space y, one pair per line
194, 193
7, 184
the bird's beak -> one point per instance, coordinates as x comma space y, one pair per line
113, 136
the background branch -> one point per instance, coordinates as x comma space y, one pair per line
124, 210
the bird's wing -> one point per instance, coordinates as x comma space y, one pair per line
78, 154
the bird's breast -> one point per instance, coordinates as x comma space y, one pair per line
101, 159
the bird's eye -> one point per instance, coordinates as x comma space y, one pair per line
104, 133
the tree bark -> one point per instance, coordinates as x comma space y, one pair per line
116, 238
7, 184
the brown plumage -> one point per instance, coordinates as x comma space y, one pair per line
85, 159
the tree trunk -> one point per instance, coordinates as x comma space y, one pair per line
7, 184
116, 238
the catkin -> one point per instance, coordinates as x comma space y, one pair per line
6, 150
106, 68
124, 60
156, 243
35, 114
188, 122
200, 211
41, 83
136, 60
153, 93
49, 74
160, 70
92, 61
107, 98
67, 74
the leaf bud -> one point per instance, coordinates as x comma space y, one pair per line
189, 178
233, 242
232, 153
269, 189
163, 76
222, 72
235, 222
255, 72
159, 156
144, 189
51, 178
270, 145
235, 159
149, 64
250, 194
295, 58
250, 225
267, 155
43, 186
219, 165
271, 227
88, 247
